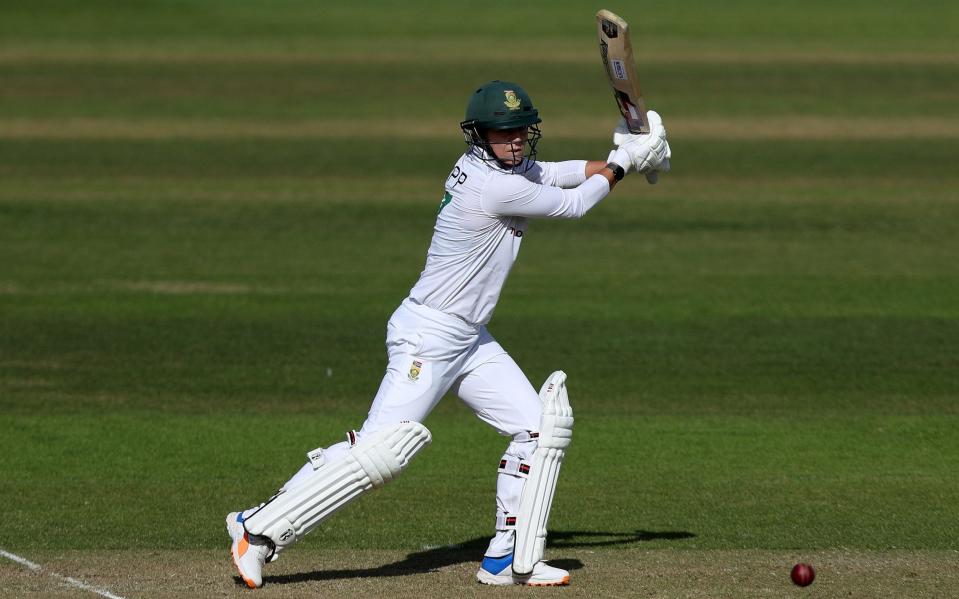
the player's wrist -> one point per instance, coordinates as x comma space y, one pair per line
617, 170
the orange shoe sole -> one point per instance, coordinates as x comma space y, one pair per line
244, 545
562, 583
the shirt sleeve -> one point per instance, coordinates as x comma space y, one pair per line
566, 174
513, 195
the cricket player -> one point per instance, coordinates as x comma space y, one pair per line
437, 340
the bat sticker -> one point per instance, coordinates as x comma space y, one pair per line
619, 69
610, 29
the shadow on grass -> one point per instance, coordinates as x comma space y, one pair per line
434, 558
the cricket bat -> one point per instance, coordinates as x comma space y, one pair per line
617, 55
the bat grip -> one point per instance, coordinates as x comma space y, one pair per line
652, 177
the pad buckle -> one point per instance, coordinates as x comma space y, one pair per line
317, 458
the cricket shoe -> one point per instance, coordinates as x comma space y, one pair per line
499, 571
234, 528
250, 552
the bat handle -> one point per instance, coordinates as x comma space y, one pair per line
652, 177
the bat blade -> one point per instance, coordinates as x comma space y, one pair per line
617, 53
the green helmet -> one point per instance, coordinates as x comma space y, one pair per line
500, 105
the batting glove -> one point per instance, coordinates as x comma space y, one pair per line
621, 157
648, 153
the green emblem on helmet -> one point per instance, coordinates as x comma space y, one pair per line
501, 105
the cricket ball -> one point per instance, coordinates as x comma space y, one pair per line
803, 575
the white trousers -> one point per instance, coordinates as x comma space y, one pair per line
431, 352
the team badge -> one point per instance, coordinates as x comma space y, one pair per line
512, 102
415, 369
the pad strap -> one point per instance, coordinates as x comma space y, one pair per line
514, 467
525, 436
505, 521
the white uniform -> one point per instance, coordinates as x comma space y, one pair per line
437, 338
481, 224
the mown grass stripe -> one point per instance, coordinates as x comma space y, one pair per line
760, 128
418, 54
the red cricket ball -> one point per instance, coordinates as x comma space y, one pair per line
803, 575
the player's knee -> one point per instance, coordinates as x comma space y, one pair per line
522, 446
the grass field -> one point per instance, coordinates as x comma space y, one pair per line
210, 209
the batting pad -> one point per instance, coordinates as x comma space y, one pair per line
375, 460
555, 434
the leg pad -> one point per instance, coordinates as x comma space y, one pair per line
373, 461
555, 434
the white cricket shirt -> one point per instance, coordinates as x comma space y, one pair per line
481, 223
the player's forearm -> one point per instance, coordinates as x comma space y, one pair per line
591, 192
593, 167
598, 167
573, 173
565, 174
570, 203
511, 196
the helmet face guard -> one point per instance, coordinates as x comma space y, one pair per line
501, 105
480, 147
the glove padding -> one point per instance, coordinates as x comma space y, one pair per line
648, 153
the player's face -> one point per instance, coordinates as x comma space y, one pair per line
508, 144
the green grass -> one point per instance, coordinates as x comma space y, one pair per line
762, 349
793, 481
266, 90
